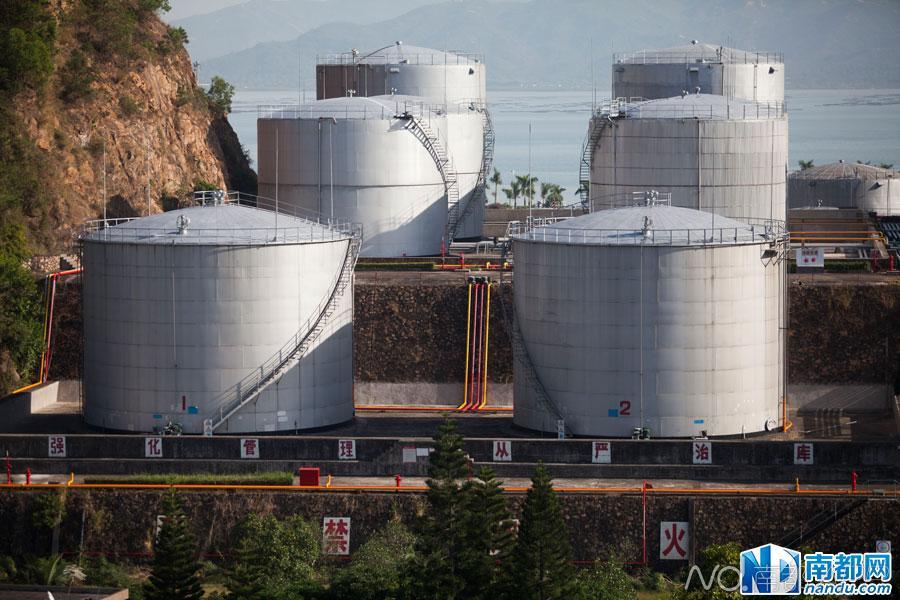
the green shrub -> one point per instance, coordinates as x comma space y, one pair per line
127, 106
261, 478
220, 93
49, 509
27, 36
76, 78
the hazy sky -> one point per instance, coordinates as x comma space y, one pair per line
186, 8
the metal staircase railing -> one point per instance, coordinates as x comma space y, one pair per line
480, 193
250, 387
818, 523
441, 158
520, 353
595, 129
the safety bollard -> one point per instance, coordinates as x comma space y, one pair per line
397, 480
28, 476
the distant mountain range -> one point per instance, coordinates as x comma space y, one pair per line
547, 43
248, 23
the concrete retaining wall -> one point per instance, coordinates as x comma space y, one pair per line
740, 461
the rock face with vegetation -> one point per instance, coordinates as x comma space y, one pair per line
96, 95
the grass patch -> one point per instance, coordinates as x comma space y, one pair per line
261, 478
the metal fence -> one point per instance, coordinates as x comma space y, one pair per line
437, 58
690, 109
698, 55
312, 227
374, 109
756, 231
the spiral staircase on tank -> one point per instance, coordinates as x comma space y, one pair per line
595, 130
250, 387
480, 192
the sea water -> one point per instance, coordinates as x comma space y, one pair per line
824, 126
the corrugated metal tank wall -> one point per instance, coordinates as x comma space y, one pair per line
705, 321
454, 82
763, 82
738, 171
466, 141
881, 196
162, 322
384, 178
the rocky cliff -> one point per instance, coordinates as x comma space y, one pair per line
122, 96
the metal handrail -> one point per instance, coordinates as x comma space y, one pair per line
720, 55
313, 228
417, 58
759, 231
229, 401
368, 110
650, 109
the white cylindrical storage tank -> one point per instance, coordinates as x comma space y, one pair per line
846, 185
712, 153
652, 74
465, 130
402, 69
650, 316
181, 306
369, 161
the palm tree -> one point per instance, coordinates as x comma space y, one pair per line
497, 180
805, 164
512, 192
527, 184
552, 195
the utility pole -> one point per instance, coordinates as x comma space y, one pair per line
147, 141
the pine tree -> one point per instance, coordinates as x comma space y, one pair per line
173, 575
486, 530
541, 566
435, 572
247, 580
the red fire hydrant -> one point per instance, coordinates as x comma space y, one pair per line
397, 480
853, 481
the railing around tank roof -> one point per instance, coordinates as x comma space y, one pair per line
365, 110
650, 109
436, 58
313, 227
755, 231
702, 56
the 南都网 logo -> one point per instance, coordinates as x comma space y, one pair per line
770, 570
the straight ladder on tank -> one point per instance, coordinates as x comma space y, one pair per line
250, 387
523, 360
441, 158
480, 193
595, 130
478, 319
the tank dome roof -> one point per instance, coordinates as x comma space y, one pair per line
220, 224
651, 225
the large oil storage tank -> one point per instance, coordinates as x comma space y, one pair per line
650, 316
227, 314
402, 69
846, 185
651, 74
712, 153
383, 162
454, 79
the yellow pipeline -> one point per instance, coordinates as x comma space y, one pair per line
487, 329
468, 333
